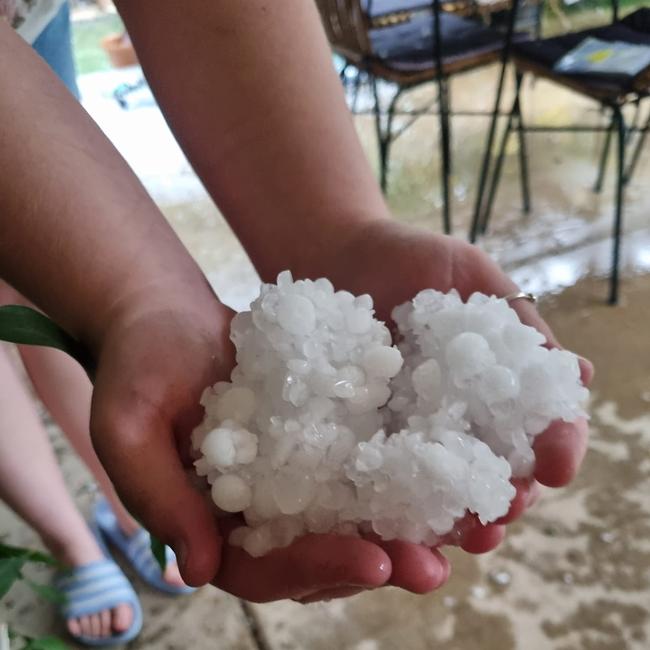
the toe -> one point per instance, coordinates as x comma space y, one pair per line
84, 623
95, 626
172, 575
74, 626
105, 617
122, 618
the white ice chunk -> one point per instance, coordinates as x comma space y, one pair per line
324, 427
237, 403
231, 493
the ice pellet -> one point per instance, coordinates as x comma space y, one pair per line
231, 493
326, 427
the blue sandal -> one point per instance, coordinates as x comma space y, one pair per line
93, 588
136, 549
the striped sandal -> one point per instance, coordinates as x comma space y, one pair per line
94, 587
136, 549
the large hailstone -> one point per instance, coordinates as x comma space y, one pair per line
326, 426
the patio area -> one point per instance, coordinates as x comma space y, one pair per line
574, 572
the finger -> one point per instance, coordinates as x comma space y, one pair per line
138, 450
330, 594
492, 280
519, 503
482, 539
529, 315
534, 493
559, 451
311, 564
416, 568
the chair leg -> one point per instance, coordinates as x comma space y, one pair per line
618, 209
523, 151
445, 150
604, 156
355, 92
487, 158
515, 115
496, 176
384, 128
383, 137
637, 150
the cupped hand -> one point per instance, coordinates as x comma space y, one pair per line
393, 262
156, 356
155, 359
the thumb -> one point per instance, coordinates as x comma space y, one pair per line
136, 446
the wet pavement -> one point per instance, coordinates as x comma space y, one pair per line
574, 574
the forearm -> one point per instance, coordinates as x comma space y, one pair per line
250, 92
78, 233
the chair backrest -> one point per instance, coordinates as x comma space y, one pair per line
346, 24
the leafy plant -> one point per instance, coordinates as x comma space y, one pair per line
12, 562
26, 326
30, 643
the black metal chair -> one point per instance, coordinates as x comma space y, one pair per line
612, 91
408, 43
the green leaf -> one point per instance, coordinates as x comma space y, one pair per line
27, 554
45, 643
158, 550
10, 571
46, 591
26, 326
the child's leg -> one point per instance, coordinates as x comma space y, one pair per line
32, 484
66, 391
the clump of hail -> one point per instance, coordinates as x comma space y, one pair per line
326, 426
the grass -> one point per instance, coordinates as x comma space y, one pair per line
86, 38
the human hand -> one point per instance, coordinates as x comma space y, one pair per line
155, 358
158, 351
393, 262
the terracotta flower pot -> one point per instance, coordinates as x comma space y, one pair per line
120, 50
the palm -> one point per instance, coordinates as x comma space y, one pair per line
393, 262
153, 367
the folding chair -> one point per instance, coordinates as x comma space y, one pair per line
612, 91
408, 43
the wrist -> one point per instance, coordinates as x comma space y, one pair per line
184, 291
317, 248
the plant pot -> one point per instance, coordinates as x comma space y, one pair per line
120, 50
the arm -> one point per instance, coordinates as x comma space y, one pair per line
251, 94
81, 238
65, 194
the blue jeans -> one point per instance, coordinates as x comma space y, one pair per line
54, 44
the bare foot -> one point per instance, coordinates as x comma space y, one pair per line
101, 624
